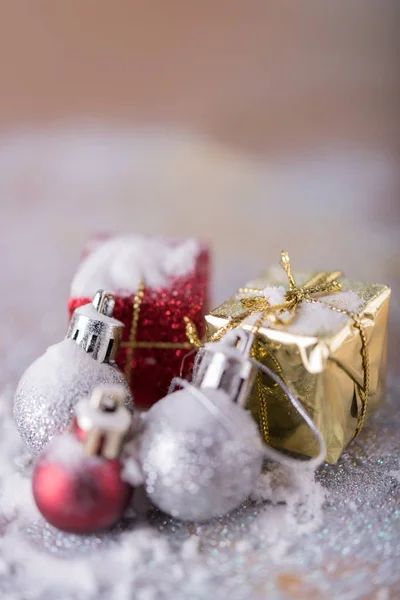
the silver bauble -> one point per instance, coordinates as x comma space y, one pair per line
50, 388
199, 463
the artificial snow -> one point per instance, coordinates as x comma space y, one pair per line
122, 262
50, 388
130, 560
90, 312
316, 318
132, 471
66, 450
297, 490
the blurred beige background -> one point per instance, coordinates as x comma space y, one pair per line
274, 75
254, 124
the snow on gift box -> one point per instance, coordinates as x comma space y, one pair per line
50, 388
157, 283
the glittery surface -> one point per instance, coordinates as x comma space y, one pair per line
50, 388
161, 320
197, 466
338, 537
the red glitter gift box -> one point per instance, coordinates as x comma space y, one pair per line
153, 308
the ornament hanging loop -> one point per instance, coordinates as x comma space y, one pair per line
280, 457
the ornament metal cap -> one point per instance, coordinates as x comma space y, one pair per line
105, 421
95, 330
226, 365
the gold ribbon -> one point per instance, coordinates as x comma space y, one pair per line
133, 344
321, 284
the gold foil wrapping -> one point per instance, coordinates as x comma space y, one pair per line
324, 369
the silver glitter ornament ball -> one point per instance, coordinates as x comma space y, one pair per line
198, 462
51, 387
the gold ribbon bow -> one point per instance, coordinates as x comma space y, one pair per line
323, 283
283, 314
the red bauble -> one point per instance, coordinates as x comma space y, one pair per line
82, 498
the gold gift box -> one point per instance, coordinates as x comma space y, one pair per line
323, 362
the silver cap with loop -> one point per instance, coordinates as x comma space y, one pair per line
226, 365
105, 420
95, 330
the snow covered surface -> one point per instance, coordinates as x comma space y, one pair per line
336, 537
296, 535
121, 262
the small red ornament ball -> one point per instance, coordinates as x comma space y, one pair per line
82, 498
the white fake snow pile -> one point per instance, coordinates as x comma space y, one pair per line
121, 262
316, 318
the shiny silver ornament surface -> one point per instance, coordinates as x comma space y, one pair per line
200, 451
94, 329
225, 365
195, 468
50, 388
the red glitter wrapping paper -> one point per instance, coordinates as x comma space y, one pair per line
161, 321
